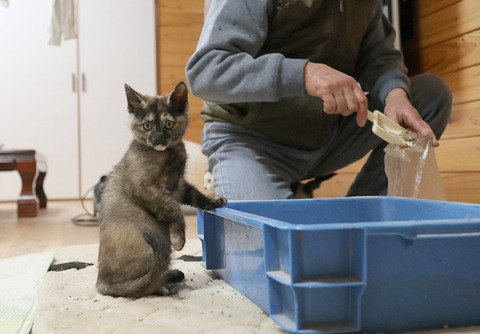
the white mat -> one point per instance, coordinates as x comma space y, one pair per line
20, 278
69, 303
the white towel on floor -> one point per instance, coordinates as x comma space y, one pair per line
20, 278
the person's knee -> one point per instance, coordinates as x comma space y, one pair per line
434, 100
434, 85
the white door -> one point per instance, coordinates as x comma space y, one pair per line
38, 108
117, 46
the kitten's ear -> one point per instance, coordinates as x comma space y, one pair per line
178, 98
134, 99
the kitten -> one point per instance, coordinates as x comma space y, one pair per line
140, 216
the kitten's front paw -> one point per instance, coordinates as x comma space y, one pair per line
209, 203
178, 241
177, 234
218, 201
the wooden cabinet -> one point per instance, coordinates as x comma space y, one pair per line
68, 101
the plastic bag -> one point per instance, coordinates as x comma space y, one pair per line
413, 171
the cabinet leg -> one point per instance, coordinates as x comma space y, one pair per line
27, 204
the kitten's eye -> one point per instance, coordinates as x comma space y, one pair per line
147, 126
169, 124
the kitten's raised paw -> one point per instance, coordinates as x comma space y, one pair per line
219, 201
213, 203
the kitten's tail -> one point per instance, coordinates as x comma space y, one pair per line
153, 282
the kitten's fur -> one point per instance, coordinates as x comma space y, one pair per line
140, 215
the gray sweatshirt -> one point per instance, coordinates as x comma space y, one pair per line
250, 59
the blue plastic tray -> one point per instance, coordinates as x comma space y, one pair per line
376, 264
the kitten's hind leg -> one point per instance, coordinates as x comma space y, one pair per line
175, 276
166, 290
172, 276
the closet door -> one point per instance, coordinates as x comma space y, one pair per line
38, 107
117, 46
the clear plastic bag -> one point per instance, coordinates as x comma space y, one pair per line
413, 171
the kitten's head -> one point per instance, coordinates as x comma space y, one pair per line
158, 121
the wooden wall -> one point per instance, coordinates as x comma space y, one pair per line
446, 41
179, 24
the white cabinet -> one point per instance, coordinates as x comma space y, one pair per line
119, 50
37, 106
68, 101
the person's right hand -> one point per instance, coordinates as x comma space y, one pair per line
340, 93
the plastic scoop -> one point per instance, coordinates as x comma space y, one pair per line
390, 131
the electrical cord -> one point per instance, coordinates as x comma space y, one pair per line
86, 219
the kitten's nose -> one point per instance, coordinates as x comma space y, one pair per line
158, 139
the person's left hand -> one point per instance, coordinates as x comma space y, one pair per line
399, 109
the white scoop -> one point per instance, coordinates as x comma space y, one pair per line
390, 131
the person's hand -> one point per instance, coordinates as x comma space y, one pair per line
399, 109
340, 93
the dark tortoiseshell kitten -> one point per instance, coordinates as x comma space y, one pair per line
140, 215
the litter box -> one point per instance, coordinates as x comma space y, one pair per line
371, 264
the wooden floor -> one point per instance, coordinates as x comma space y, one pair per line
52, 227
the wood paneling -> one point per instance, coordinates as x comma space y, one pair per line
459, 155
178, 29
464, 122
447, 42
451, 55
462, 187
184, 6
454, 19
427, 7
464, 84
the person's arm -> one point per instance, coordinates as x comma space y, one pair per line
381, 72
225, 67
380, 66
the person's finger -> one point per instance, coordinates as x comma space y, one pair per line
362, 109
342, 107
424, 130
329, 103
427, 132
351, 101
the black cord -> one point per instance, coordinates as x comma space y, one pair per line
85, 219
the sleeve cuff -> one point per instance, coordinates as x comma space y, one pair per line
291, 77
389, 81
